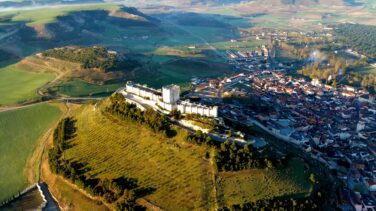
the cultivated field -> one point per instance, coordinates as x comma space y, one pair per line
20, 131
17, 86
177, 170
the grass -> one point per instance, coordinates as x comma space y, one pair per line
184, 70
177, 170
183, 179
241, 45
44, 16
368, 70
75, 199
78, 88
20, 130
17, 86
255, 184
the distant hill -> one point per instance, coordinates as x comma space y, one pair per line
284, 2
28, 3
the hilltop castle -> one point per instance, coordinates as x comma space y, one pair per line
169, 99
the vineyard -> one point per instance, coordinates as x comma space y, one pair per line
178, 171
182, 175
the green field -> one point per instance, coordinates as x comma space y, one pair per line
368, 70
20, 130
17, 86
79, 88
45, 16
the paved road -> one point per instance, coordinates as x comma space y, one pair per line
11, 108
51, 203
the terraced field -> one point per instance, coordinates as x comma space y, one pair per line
19, 133
178, 172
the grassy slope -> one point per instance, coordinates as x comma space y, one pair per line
16, 85
255, 184
183, 178
176, 169
49, 15
20, 130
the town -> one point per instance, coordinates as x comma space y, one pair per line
333, 125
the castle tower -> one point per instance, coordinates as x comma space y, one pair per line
171, 94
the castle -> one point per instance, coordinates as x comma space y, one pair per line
169, 99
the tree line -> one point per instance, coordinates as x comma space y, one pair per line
231, 156
92, 57
274, 204
339, 67
155, 121
123, 190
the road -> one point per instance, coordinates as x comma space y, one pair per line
8, 34
51, 203
16, 107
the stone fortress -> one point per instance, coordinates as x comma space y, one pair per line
168, 99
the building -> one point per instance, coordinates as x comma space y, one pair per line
171, 94
168, 99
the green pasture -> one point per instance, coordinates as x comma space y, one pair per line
17, 86
19, 133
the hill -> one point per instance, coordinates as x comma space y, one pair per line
179, 174
30, 3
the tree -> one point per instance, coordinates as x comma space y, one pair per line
312, 178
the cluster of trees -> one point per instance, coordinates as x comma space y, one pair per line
232, 157
202, 121
200, 138
175, 114
124, 191
62, 134
359, 37
281, 204
149, 117
338, 66
93, 57
253, 102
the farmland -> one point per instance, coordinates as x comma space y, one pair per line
20, 131
179, 172
17, 86
161, 49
